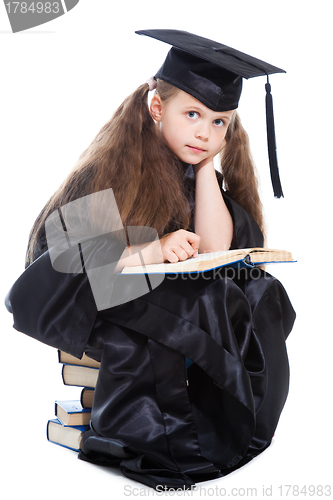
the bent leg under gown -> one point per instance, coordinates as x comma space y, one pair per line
165, 425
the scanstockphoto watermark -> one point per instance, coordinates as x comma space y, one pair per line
194, 490
87, 235
272, 491
25, 15
229, 272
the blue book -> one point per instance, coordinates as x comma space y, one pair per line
243, 257
72, 413
68, 437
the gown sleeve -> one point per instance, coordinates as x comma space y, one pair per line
247, 233
55, 308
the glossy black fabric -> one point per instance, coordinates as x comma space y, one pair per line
209, 71
160, 423
234, 330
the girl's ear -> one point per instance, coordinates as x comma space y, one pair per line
156, 108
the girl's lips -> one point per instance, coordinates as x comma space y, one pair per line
196, 150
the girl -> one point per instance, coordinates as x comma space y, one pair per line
194, 373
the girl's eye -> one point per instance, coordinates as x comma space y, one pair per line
192, 114
218, 122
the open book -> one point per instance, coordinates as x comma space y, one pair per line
245, 257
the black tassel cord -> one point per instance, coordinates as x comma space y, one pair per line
271, 143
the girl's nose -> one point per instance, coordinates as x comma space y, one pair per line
202, 132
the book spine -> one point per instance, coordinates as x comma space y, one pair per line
87, 393
47, 430
62, 374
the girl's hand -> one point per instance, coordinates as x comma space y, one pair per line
173, 247
207, 161
179, 245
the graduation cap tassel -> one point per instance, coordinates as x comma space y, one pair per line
273, 164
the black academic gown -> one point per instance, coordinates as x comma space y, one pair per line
161, 423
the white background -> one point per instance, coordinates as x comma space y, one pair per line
60, 82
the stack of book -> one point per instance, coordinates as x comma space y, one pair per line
73, 416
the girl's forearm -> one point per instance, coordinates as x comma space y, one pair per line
139, 255
213, 222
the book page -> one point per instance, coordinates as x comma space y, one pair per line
266, 255
192, 264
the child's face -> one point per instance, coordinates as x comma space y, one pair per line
192, 131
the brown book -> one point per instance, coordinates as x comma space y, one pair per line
66, 358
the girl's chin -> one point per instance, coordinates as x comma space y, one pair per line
191, 159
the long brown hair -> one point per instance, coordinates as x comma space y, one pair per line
239, 172
130, 156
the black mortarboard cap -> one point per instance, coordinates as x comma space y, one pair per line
213, 73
